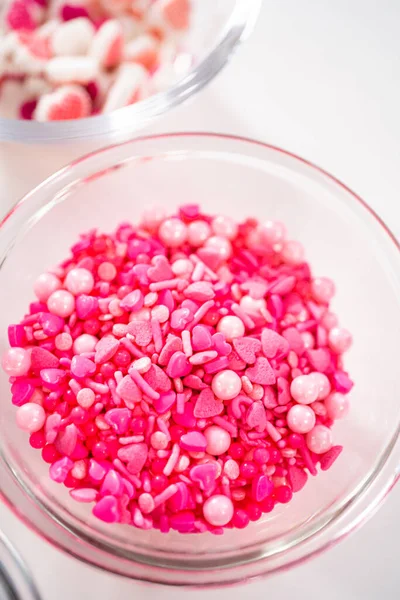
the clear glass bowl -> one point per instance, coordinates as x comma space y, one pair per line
217, 27
16, 582
344, 239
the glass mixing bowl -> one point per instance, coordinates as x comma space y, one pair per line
217, 27
16, 582
343, 238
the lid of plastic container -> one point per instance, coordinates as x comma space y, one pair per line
16, 582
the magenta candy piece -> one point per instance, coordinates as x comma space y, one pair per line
60, 469
297, 478
284, 396
273, 344
200, 291
247, 348
141, 330
67, 439
157, 379
96, 471
207, 405
164, 402
52, 378
51, 324
189, 211
140, 272
221, 345
136, 247
165, 297
172, 345
73, 11
201, 338
129, 391
210, 257
16, 336
194, 382
93, 91
183, 521
320, 359
205, 475
186, 419
135, 455
283, 286
256, 289
275, 306
194, 441
342, 382
161, 270
52, 427
105, 349
21, 392
261, 488
112, 484
235, 362
216, 365
256, 417
132, 302
178, 365
42, 359
84, 494
180, 318
86, 306
119, 419
179, 500
294, 339
27, 109
82, 367
326, 460
261, 372
107, 509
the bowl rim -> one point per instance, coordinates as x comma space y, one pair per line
383, 475
131, 118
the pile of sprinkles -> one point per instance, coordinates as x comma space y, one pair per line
183, 373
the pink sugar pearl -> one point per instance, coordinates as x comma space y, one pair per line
218, 440
272, 232
198, 232
220, 245
232, 327
173, 232
292, 253
322, 289
319, 439
337, 406
84, 343
63, 341
304, 389
106, 271
226, 384
16, 362
339, 340
31, 417
301, 419
225, 227
324, 386
85, 397
251, 305
79, 281
218, 510
61, 303
45, 285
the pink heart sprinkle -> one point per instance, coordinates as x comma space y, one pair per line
297, 478
181, 318
194, 382
51, 324
165, 297
112, 484
261, 488
132, 302
21, 392
283, 391
86, 306
52, 427
247, 348
119, 419
187, 419
157, 379
161, 270
256, 417
107, 510
82, 366
326, 460
42, 359
207, 405
141, 330
52, 378
221, 345
261, 372
172, 345
294, 339
178, 365
269, 399
194, 441
283, 286
96, 471
320, 359
342, 381
105, 349
129, 391
273, 344
201, 338
66, 440
256, 289
210, 257
135, 455
205, 475
140, 271
164, 402
59, 470
200, 291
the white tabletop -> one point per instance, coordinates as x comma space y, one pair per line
319, 78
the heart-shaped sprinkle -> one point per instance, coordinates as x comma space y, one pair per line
294, 339
51, 324
194, 441
342, 382
326, 460
273, 344
205, 475
194, 382
119, 419
235, 362
164, 402
199, 291
247, 348
172, 345
82, 367
105, 349
96, 471
66, 440
201, 338
178, 365
319, 359
86, 306
207, 405
132, 302
135, 455
157, 379
221, 345
141, 330
107, 510
129, 392
52, 427
211, 258
283, 286
112, 484
255, 289
16, 336
256, 417
261, 372
21, 392
42, 359
52, 378
187, 419
161, 270
283, 391
59, 470
181, 318
297, 478
165, 297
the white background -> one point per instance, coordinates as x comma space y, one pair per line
319, 78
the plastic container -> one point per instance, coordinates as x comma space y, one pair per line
344, 239
16, 582
217, 27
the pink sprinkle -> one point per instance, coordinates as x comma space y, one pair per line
178, 365
157, 335
249, 323
173, 459
186, 343
327, 459
84, 494
216, 365
194, 441
203, 357
60, 469
165, 495
143, 385
273, 432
